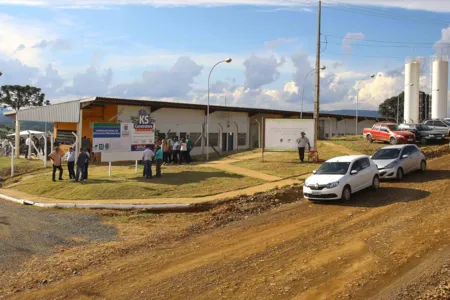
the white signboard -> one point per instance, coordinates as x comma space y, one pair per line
282, 134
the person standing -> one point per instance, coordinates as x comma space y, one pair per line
183, 152
27, 147
70, 157
159, 160
86, 168
301, 143
165, 150
56, 159
190, 145
81, 165
175, 151
147, 158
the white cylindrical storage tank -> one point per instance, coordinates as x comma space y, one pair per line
439, 100
411, 107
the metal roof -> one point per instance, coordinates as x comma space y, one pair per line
60, 112
69, 111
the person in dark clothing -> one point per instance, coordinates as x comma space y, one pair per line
190, 145
81, 164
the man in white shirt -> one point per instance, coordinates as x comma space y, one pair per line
147, 158
27, 146
70, 157
301, 143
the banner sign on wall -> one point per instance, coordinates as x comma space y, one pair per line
282, 134
122, 137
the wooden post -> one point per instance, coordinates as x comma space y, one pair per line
317, 91
109, 169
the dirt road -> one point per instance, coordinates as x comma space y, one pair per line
383, 245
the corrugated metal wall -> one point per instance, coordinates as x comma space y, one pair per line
61, 112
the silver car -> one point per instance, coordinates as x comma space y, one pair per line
442, 126
396, 161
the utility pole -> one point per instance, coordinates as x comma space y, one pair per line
317, 92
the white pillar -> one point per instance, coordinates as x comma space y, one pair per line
17, 137
109, 169
12, 159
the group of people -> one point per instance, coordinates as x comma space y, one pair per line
81, 162
167, 152
176, 151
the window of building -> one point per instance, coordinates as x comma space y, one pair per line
242, 139
214, 139
172, 135
65, 137
194, 136
183, 135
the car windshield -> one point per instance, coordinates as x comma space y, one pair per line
386, 154
447, 122
424, 127
333, 168
394, 128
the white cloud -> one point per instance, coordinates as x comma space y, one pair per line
175, 82
278, 42
431, 5
260, 71
442, 46
350, 39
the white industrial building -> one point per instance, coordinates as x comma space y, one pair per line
230, 128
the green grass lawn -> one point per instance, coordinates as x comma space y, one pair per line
177, 181
358, 143
286, 164
21, 166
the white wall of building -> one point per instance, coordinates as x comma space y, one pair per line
190, 121
346, 126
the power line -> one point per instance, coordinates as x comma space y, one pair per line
388, 42
381, 46
368, 56
355, 10
381, 11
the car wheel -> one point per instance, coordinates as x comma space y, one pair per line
369, 138
375, 182
423, 166
393, 141
423, 141
400, 174
347, 193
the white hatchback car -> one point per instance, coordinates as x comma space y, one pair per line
340, 177
396, 161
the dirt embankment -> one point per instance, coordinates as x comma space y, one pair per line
378, 246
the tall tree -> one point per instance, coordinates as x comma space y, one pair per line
388, 108
17, 96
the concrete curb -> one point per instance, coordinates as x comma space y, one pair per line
153, 207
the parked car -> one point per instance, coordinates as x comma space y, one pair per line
388, 132
424, 133
396, 161
439, 125
340, 177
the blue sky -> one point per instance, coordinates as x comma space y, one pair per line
164, 50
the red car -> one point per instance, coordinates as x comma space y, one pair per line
389, 132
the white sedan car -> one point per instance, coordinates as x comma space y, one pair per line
340, 177
396, 161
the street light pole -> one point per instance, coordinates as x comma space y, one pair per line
228, 60
398, 102
357, 99
303, 88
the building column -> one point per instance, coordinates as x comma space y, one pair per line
17, 153
80, 133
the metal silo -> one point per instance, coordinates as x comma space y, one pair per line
439, 100
412, 75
